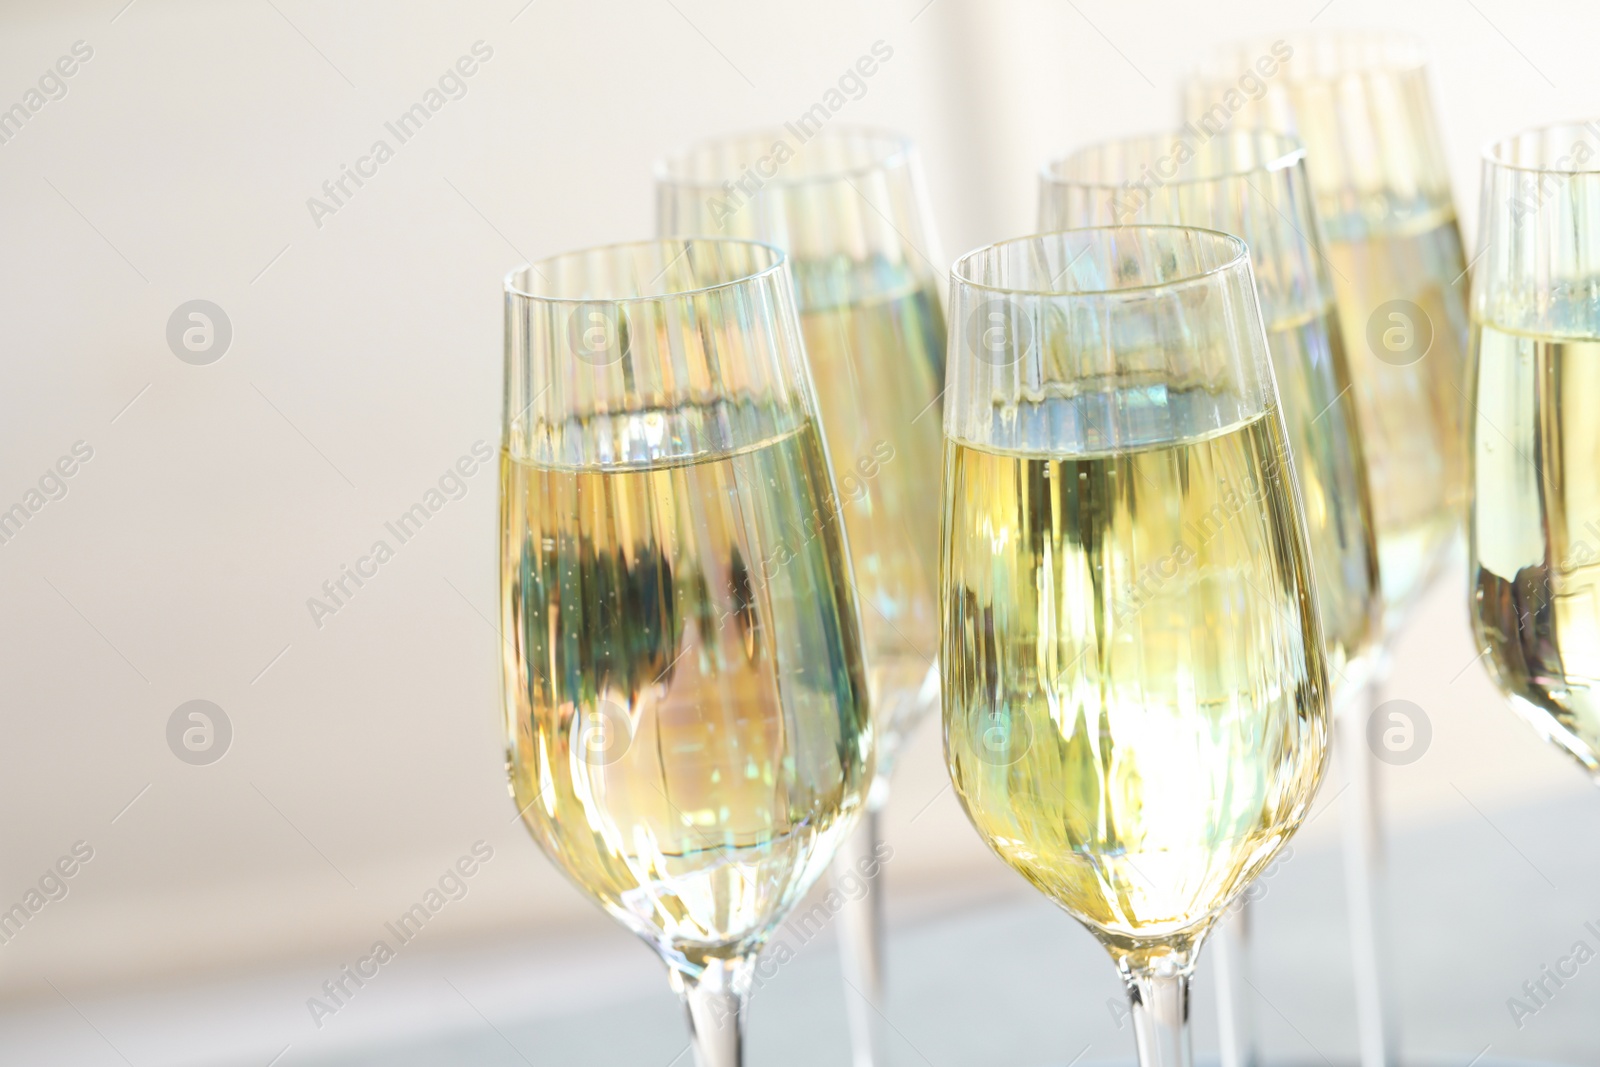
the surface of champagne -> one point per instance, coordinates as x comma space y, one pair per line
1535, 526
878, 366
1412, 414
1133, 681
1325, 440
687, 714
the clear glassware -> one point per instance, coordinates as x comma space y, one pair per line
1360, 103
1133, 670
688, 735
1534, 521
1253, 185
848, 207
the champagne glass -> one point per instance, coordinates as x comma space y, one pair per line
1534, 544
1253, 184
848, 206
1360, 103
688, 735
1133, 669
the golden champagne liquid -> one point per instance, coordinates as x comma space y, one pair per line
1324, 438
878, 368
1535, 548
688, 725
1133, 683
1412, 416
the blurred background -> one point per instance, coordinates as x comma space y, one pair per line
356, 750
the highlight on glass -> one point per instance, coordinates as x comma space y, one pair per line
848, 206
1534, 558
1360, 103
1133, 670
688, 735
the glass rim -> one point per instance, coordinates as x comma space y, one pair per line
1290, 150
1394, 52
1492, 149
514, 288
1241, 255
894, 148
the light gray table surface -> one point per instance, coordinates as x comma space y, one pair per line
1479, 907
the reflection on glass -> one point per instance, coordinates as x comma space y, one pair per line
847, 206
687, 726
1360, 103
1535, 516
1133, 676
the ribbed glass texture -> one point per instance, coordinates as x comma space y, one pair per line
1540, 219
1360, 103
846, 204
848, 207
1132, 669
688, 733
635, 354
1534, 523
1253, 185
1117, 322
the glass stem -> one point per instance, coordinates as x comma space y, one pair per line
1363, 866
856, 870
715, 1000
1230, 957
1159, 998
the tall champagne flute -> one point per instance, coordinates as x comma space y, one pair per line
848, 206
687, 727
1535, 516
1360, 103
1252, 184
1133, 668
